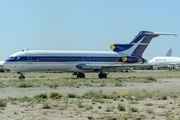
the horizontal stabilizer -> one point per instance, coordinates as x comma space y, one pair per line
160, 33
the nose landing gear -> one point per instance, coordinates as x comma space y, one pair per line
21, 77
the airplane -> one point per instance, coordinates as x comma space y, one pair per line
166, 61
1, 66
1, 63
79, 62
150, 65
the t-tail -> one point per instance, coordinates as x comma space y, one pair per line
138, 45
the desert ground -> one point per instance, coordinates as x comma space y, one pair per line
137, 95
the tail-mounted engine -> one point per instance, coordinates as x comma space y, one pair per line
120, 47
132, 59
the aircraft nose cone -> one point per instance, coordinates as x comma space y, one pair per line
5, 65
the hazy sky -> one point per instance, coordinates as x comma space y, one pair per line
87, 24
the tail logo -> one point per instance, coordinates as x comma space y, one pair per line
124, 58
112, 46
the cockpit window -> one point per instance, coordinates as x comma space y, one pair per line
15, 57
12, 57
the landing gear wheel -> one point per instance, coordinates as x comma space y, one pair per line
21, 77
80, 75
102, 75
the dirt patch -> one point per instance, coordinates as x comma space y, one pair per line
134, 99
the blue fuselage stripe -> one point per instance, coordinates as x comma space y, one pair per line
69, 59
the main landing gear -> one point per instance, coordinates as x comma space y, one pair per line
82, 75
102, 75
21, 77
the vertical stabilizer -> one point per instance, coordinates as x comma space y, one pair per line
138, 45
169, 53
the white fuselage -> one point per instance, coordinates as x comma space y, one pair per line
53, 60
164, 61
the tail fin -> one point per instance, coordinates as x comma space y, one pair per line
169, 52
138, 45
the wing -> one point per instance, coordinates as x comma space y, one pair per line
109, 67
